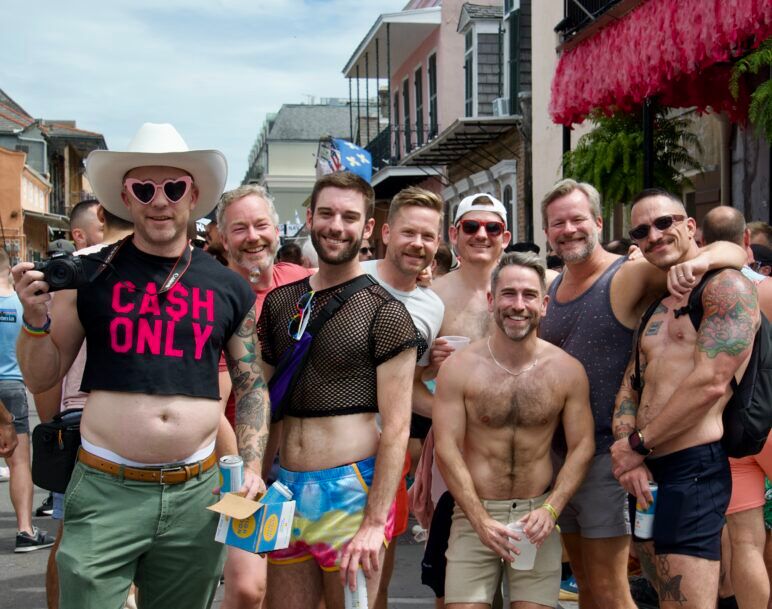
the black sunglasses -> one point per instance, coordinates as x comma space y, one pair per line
493, 228
366, 250
640, 232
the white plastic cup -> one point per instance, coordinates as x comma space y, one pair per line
527, 557
358, 598
457, 342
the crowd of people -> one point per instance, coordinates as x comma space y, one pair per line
520, 404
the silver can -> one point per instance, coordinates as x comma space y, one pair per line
231, 473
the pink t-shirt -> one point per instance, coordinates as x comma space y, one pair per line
283, 273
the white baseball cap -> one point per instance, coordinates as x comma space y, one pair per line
493, 205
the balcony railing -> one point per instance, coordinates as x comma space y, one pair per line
578, 14
395, 142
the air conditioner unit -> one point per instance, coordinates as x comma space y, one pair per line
501, 106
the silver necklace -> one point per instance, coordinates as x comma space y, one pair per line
504, 368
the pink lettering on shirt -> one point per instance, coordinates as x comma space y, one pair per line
169, 349
207, 304
176, 304
117, 289
150, 301
200, 336
149, 338
121, 344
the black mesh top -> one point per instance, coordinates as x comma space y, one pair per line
339, 378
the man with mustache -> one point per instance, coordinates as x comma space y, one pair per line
669, 427
502, 399
594, 306
342, 471
248, 225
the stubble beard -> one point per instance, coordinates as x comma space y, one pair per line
342, 257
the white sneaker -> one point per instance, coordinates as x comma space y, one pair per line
5, 474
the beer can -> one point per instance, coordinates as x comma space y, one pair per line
231, 473
358, 598
276, 493
644, 515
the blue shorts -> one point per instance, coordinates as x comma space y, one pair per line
695, 485
14, 395
329, 508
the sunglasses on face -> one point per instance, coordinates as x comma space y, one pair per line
366, 250
492, 228
640, 232
145, 191
297, 325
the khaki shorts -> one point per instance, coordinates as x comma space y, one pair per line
473, 568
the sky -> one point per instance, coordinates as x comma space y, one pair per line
212, 68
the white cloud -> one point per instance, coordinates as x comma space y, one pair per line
213, 68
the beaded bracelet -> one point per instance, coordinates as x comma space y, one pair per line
36, 332
552, 511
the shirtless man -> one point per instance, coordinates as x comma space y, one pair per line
676, 419
502, 400
343, 473
594, 306
249, 228
479, 235
156, 320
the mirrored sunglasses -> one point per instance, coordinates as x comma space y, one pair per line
145, 191
297, 325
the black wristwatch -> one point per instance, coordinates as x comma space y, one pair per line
636, 443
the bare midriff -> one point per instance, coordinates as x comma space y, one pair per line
150, 428
316, 443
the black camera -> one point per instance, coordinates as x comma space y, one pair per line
63, 271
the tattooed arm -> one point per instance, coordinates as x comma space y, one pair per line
626, 406
636, 480
724, 342
251, 393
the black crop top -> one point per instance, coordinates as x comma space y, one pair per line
340, 377
168, 344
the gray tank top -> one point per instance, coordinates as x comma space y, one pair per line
587, 329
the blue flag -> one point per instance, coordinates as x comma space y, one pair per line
354, 159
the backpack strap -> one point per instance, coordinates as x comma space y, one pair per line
337, 301
635, 380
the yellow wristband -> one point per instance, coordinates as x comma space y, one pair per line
552, 511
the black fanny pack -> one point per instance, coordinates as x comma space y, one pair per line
55, 450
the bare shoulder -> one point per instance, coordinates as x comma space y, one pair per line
636, 272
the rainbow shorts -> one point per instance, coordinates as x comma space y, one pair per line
330, 506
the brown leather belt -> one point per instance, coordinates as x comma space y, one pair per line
175, 474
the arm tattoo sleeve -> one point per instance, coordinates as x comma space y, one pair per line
251, 393
730, 316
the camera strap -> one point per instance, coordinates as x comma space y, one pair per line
178, 270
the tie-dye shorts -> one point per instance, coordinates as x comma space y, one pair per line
330, 506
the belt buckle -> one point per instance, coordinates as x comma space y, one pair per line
169, 470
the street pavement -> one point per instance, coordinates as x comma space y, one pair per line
22, 576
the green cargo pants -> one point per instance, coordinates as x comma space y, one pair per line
159, 536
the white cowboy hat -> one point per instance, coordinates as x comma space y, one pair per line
159, 145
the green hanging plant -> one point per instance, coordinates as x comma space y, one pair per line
610, 157
760, 108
